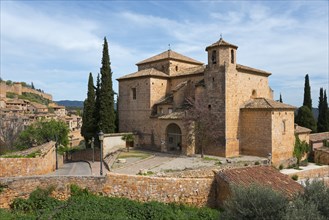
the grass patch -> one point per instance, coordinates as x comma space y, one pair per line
136, 154
34, 154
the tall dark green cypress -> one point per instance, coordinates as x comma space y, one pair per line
307, 93
321, 123
325, 112
97, 104
280, 98
106, 110
88, 122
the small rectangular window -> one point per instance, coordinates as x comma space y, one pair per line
161, 110
169, 110
134, 93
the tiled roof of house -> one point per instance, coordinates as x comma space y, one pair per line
263, 175
146, 72
252, 70
15, 101
38, 106
300, 129
173, 115
263, 103
319, 136
169, 54
166, 100
221, 42
189, 71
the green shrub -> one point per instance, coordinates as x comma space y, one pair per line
280, 167
317, 193
257, 163
294, 177
254, 202
302, 209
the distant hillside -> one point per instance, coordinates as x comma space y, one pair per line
69, 103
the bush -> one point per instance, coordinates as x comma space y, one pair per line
317, 193
280, 167
254, 202
302, 209
294, 177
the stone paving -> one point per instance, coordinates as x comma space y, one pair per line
164, 162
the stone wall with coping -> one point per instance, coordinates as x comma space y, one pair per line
46, 163
113, 142
191, 191
321, 155
320, 172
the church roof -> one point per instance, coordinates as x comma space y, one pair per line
146, 72
300, 129
263, 103
189, 71
253, 70
221, 42
173, 115
169, 55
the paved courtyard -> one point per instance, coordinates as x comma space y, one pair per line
164, 162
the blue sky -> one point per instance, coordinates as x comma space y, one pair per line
55, 44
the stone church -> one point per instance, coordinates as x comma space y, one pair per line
154, 101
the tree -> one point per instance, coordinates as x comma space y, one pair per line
202, 123
305, 118
129, 138
307, 93
41, 132
300, 149
97, 103
281, 98
106, 108
32, 86
10, 128
88, 129
323, 117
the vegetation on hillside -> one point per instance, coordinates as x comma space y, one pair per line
34, 98
84, 205
256, 202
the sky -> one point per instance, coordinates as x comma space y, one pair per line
56, 44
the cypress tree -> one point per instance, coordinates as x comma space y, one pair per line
321, 122
106, 108
325, 112
305, 118
307, 93
97, 104
280, 98
88, 122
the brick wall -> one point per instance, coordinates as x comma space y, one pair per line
31, 166
192, 191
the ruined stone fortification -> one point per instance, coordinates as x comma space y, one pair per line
18, 89
153, 102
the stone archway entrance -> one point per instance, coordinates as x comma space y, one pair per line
174, 137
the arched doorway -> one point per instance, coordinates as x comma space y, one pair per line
174, 137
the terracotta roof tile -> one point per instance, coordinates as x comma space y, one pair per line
300, 129
173, 115
319, 136
170, 55
189, 71
252, 70
146, 72
263, 175
221, 42
263, 103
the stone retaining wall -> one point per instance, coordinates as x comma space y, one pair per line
321, 155
191, 191
44, 164
312, 173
